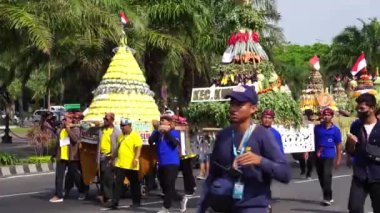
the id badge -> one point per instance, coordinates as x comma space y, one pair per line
238, 190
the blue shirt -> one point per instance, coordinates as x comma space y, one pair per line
278, 138
326, 140
167, 154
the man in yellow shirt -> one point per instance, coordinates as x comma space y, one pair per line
107, 152
127, 164
67, 156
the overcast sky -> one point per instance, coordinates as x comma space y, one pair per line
308, 22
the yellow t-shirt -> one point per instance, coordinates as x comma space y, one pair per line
126, 152
64, 149
105, 142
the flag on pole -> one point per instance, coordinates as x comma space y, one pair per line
314, 62
123, 18
359, 64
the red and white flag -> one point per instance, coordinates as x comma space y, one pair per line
314, 61
360, 64
123, 18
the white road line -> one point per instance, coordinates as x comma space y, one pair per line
312, 180
147, 204
29, 175
22, 194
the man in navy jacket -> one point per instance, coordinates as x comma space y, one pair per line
256, 155
364, 135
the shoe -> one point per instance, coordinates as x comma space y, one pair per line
327, 202
82, 196
111, 206
56, 199
164, 210
190, 194
108, 204
201, 177
184, 203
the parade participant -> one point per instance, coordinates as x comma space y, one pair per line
69, 181
67, 156
362, 145
267, 118
167, 141
204, 156
107, 151
328, 145
127, 164
47, 124
186, 167
244, 160
187, 156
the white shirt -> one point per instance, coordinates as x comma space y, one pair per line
368, 128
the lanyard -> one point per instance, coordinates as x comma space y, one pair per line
243, 142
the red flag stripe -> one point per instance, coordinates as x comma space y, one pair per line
123, 18
360, 64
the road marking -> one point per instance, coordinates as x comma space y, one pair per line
147, 204
312, 180
21, 194
29, 175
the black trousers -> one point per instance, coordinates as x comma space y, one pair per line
150, 179
306, 165
167, 176
106, 179
73, 172
358, 194
135, 186
324, 170
69, 183
186, 167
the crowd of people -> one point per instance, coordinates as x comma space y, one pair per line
238, 173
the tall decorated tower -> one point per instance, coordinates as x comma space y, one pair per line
123, 91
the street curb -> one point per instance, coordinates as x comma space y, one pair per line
6, 171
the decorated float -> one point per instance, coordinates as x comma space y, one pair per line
246, 63
362, 83
123, 91
315, 97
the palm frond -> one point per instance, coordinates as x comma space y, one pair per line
17, 17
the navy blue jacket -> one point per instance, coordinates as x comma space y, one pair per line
364, 168
256, 179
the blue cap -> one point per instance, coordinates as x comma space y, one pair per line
244, 94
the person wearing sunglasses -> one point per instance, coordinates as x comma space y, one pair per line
127, 164
107, 152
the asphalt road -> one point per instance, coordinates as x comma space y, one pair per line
31, 194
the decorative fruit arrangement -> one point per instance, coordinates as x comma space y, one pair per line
246, 63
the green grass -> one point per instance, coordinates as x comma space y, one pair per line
20, 130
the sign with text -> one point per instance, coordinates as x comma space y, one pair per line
210, 94
297, 140
293, 140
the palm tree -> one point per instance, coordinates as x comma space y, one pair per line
72, 33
